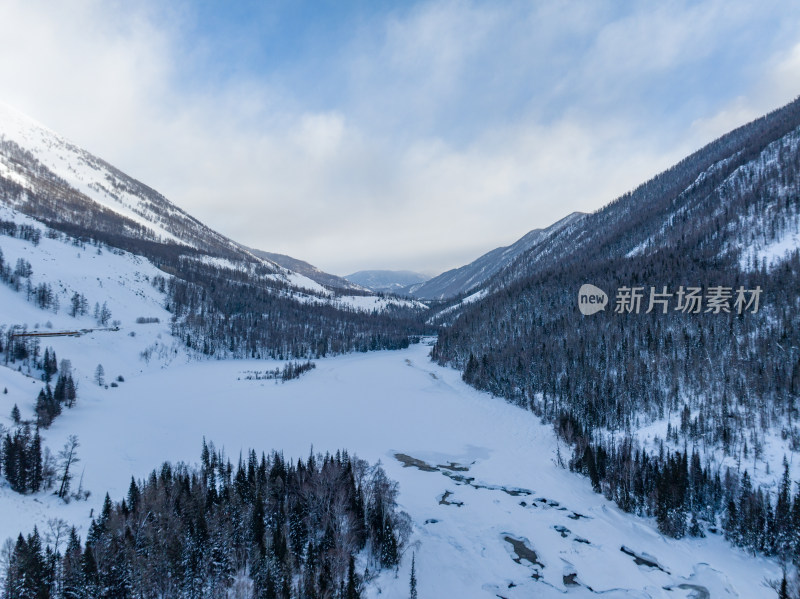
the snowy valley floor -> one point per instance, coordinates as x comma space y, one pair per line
493, 515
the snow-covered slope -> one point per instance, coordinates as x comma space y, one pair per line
96, 180
120, 279
45, 176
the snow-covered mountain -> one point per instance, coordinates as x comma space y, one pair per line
491, 511
309, 270
48, 178
470, 276
390, 281
722, 225
735, 197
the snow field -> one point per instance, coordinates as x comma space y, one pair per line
377, 405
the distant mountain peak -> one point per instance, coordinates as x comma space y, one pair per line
393, 281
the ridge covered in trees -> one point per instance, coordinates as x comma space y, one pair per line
228, 313
733, 378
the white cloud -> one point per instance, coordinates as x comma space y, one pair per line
776, 86
460, 125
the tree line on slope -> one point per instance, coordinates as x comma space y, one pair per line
227, 313
25, 464
221, 311
687, 498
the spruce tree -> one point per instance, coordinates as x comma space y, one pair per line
35, 463
784, 590
99, 375
413, 582
70, 391
34, 571
11, 461
89, 579
783, 507
351, 591
133, 495
71, 570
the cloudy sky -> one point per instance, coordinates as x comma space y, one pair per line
405, 135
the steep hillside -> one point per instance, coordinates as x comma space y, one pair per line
47, 177
734, 197
720, 377
224, 299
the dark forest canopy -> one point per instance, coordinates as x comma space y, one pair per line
270, 527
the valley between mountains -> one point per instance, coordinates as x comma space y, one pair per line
474, 424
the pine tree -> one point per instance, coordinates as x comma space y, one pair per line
59, 391
47, 408
11, 461
795, 528
784, 590
46, 365
71, 568
746, 522
782, 527
33, 571
75, 305
49, 364
133, 495
89, 576
731, 523
35, 463
413, 583
258, 528
351, 591
99, 375
15, 415
42, 410
70, 391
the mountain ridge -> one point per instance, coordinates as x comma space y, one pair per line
391, 281
309, 270
469, 277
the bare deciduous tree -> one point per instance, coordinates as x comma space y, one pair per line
68, 457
